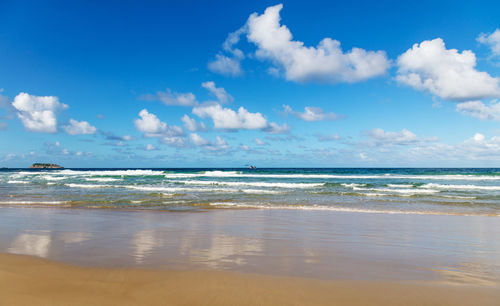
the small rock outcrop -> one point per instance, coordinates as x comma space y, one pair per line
45, 166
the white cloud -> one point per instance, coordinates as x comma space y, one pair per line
219, 145
491, 40
149, 123
446, 73
152, 126
150, 147
330, 137
274, 128
169, 97
226, 118
325, 63
225, 65
218, 92
480, 110
310, 113
191, 125
79, 128
37, 113
383, 138
260, 142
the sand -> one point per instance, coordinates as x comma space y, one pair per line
27, 280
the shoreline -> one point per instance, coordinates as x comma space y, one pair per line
28, 280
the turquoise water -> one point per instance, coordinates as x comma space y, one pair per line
408, 191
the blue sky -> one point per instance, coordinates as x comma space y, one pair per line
309, 84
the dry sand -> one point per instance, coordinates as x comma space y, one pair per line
26, 280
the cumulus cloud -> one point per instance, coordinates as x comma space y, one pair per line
152, 127
325, 63
219, 92
310, 113
219, 145
169, 97
226, 118
491, 40
446, 73
191, 125
79, 128
225, 65
37, 113
383, 138
149, 123
480, 110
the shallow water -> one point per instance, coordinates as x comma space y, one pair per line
407, 191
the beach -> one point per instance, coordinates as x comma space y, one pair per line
225, 237
227, 257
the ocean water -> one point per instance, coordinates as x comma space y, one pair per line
394, 191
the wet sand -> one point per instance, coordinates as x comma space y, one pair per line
26, 280
233, 257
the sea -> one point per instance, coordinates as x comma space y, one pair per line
434, 191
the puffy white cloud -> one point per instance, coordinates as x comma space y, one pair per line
191, 125
225, 65
381, 137
37, 113
152, 126
480, 110
219, 145
492, 40
325, 63
218, 92
79, 128
149, 123
169, 97
226, 118
446, 73
310, 113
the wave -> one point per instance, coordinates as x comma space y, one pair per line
256, 184
228, 174
32, 202
17, 182
102, 179
88, 186
461, 187
344, 209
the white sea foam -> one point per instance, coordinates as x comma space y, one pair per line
352, 185
193, 189
17, 182
31, 202
399, 190
255, 184
334, 176
88, 186
110, 172
400, 185
102, 179
342, 209
52, 178
460, 187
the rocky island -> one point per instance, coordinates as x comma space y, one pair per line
45, 166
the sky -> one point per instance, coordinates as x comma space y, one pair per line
234, 83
